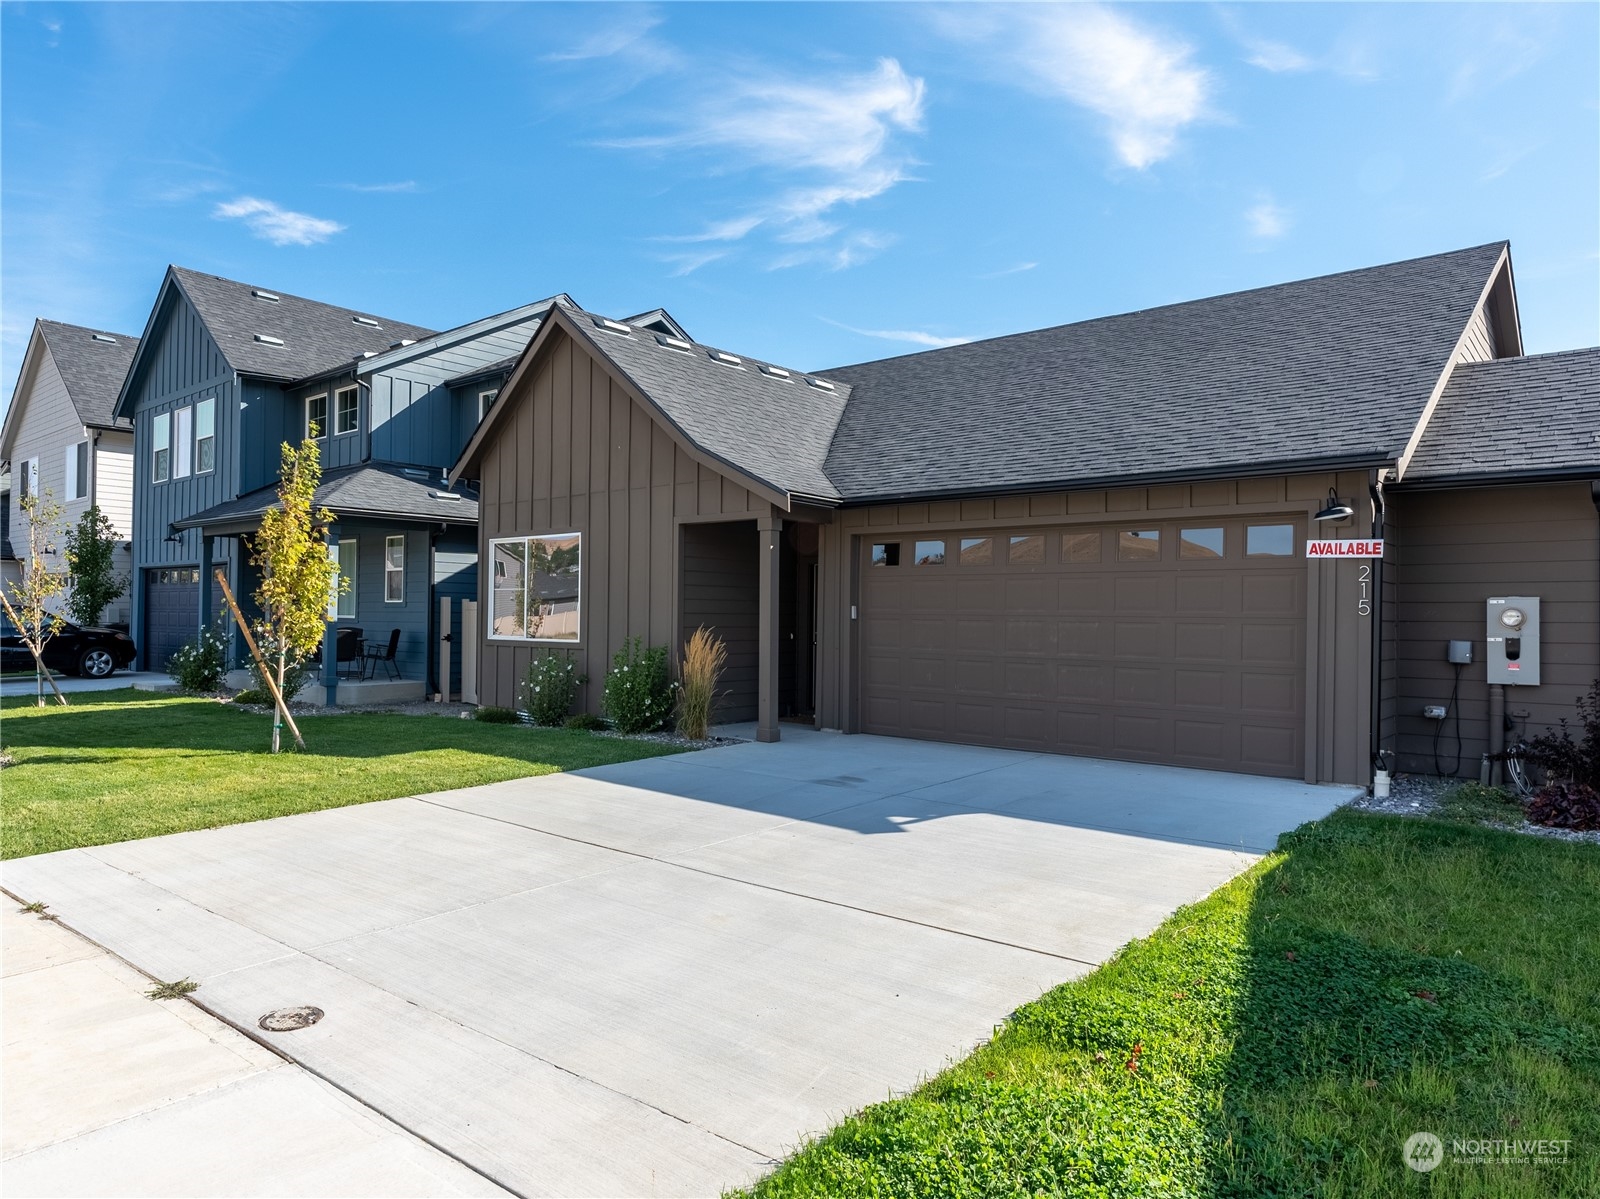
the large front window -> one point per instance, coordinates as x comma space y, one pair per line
342, 606
161, 447
535, 583
394, 569
205, 436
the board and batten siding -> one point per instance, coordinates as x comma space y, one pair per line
1339, 645
1458, 548
574, 453
335, 449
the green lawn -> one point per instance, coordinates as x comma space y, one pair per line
1375, 978
122, 764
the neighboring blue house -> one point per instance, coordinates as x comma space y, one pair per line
226, 373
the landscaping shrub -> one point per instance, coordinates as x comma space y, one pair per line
704, 656
638, 694
587, 721
253, 695
492, 715
552, 685
199, 664
1565, 805
1564, 758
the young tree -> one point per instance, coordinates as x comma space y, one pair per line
297, 574
43, 580
91, 550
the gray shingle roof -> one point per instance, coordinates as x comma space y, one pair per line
1334, 368
774, 427
316, 336
381, 490
487, 371
92, 370
1544, 411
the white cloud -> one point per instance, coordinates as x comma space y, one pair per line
1010, 270
687, 264
275, 224
1267, 219
838, 135
1142, 83
402, 185
1276, 57
915, 336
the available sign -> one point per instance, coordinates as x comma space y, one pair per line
1344, 549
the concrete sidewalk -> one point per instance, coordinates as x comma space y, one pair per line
71, 684
108, 1092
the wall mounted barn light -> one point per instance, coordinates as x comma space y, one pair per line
1335, 509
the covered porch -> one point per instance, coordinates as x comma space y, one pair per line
400, 540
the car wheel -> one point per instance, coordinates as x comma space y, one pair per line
96, 663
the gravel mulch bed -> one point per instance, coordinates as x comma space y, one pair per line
1420, 795
673, 739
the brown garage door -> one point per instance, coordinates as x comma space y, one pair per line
1157, 641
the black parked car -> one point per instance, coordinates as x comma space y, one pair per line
94, 653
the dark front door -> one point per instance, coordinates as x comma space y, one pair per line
171, 612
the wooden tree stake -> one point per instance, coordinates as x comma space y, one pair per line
266, 673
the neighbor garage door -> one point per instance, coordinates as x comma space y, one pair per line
1156, 641
171, 612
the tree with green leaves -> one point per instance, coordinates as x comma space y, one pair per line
91, 561
297, 573
31, 601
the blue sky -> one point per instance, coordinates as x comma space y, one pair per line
814, 184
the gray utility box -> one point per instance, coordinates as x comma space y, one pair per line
1513, 632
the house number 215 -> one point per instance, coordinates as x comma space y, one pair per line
1363, 602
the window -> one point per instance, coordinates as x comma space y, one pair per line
347, 410
1080, 547
1027, 549
205, 436
342, 604
886, 554
1139, 545
929, 553
161, 447
1200, 543
977, 551
182, 442
394, 569
536, 584
316, 416
485, 402
78, 470
28, 480
1269, 541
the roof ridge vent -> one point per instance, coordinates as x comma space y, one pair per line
366, 320
105, 337
726, 359
268, 296
366, 354
772, 372
674, 343
402, 343
267, 339
820, 384
611, 326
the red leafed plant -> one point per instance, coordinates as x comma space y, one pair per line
1567, 805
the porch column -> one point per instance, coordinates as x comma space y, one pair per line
330, 633
206, 583
768, 529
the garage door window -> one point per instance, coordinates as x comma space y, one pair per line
1028, 549
977, 551
1139, 545
886, 553
1080, 547
1269, 541
1200, 543
929, 553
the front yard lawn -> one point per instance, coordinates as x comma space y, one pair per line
123, 764
1375, 978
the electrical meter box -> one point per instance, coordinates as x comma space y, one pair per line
1513, 624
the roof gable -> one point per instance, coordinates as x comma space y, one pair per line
1333, 370
93, 364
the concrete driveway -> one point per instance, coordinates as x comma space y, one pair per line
657, 978
70, 683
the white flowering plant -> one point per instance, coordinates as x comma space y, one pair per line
552, 684
639, 689
199, 664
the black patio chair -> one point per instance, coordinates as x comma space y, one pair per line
347, 651
374, 655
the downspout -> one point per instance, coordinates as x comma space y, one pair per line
1375, 490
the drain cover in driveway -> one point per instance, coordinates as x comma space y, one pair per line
287, 1019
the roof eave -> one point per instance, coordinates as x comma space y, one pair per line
1555, 474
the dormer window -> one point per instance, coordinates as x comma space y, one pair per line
317, 416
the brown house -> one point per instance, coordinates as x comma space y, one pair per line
1088, 539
